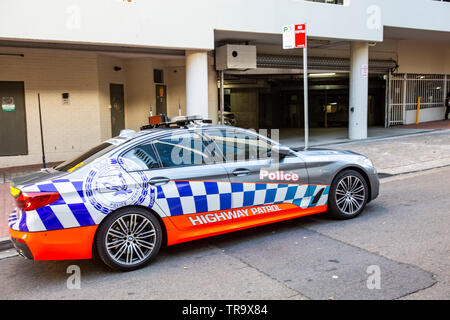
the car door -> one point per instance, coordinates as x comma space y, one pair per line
263, 172
184, 176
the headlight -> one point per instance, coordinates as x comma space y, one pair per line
367, 162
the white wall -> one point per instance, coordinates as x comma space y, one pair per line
140, 91
106, 76
414, 14
423, 57
425, 115
191, 24
139, 87
175, 79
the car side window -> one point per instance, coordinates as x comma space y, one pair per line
143, 156
236, 145
182, 150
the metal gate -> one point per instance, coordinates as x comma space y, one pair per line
395, 106
404, 90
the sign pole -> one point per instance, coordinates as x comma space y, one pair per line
222, 98
305, 90
294, 36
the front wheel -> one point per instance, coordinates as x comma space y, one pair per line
129, 238
348, 195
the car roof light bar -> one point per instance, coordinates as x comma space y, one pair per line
175, 122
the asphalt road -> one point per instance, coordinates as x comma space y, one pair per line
404, 234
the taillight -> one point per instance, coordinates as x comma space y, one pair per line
34, 200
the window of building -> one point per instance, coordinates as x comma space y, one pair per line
341, 2
158, 76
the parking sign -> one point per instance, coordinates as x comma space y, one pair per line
294, 36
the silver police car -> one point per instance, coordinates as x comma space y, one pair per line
174, 182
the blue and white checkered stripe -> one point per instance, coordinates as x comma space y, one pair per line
13, 218
68, 211
175, 198
186, 197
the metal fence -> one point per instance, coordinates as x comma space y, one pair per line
404, 90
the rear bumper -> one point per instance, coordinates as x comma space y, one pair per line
65, 244
22, 248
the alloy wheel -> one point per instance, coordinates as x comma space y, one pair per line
130, 239
350, 194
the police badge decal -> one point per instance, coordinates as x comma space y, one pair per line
109, 186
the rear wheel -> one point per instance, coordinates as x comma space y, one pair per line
348, 196
129, 238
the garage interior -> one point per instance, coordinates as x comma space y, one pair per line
270, 94
276, 100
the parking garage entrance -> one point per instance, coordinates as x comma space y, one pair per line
276, 101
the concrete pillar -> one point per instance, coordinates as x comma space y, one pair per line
359, 76
213, 106
197, 83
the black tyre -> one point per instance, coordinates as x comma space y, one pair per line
348, 195
129, 238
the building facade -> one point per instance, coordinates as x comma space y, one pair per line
102, 66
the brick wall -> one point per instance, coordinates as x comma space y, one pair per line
86, 121
68, 129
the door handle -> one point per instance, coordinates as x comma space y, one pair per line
158, 181
241, 172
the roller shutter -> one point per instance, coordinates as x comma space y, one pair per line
319, 63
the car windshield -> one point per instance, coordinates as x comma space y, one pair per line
88, 156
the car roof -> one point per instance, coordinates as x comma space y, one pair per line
154, 132
166, 129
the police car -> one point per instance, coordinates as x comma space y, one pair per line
174, 182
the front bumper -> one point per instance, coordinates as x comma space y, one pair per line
374, 186
64, 244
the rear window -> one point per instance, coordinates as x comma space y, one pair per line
86, 157
143, 156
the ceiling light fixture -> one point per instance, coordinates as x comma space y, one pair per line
322, 74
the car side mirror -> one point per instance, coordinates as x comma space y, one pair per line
282, 151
